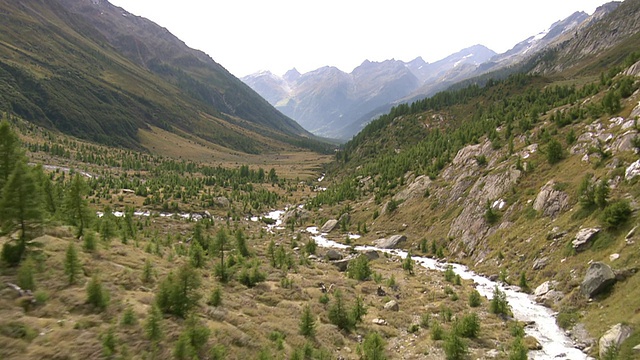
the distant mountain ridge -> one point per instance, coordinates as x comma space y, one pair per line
326, 100
334, 108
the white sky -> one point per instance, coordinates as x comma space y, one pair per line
246, 36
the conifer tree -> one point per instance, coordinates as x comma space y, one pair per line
107, 225
241, 243
20, 210
10, 153
307, 323
25, 274
147, 272
96, 295
373, 347
153, 325
76, 206
71, 263
220, 245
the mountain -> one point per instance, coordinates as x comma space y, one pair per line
93, 70
351, 111
531, 179
327, 101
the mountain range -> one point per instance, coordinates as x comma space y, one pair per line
331, 103
93, 70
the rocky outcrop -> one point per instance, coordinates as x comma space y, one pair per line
540, 263
391, 242
415, 190
371, 254
599, 278
550, 201
342, 265
329, 226
470, 226
632, 171
615, 336
583, 237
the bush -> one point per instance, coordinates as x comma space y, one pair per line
338, 314
518, 350
455, 347
373, 347
359, 268
474, 298
251, 276
615, 214
215, 299
554, 152
437, 332
96, 295
499, 304
468, 326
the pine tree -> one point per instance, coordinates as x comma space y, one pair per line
89, 242
178, 294
147, 272
107, 225
153, 325
338, 314
10, 153
455, 347
76, 206
407, 264
307, 323
373, 347
220, 244
96, 295
71, 263
109, 342
20, 210
241, 243
358, 311
25, 274
197, 255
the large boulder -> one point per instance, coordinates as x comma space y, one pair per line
391, 242
583, 237
329, 226
221, 202
614, 337
333, 255
551, 201
599, 278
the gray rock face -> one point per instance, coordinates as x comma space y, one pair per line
551, 202
392, 306
583, 237
599, 277
296, 214
415, 190
333, 255
632, 171
543, 288
391, 242
540, 263
614, 337
329, 226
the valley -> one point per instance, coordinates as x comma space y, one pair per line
152, 206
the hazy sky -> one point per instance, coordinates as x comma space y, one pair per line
246, 36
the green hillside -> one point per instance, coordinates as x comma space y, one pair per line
91, 71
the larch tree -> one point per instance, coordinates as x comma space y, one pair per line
76, 206
20, 210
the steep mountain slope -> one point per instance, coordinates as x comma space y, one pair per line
515, 178
95, 71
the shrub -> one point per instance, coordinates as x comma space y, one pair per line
128, 317
554, 151
499, 304
474, 298
449, 275
215, 299
338, 314
518, 349
615, 214
436, 331
96, 295
455, 347
468, 326
373, 347
359, 268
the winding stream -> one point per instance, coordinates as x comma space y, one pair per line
555, 344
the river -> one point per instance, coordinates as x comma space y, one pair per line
555, 344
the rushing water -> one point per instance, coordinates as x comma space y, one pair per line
555, 344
